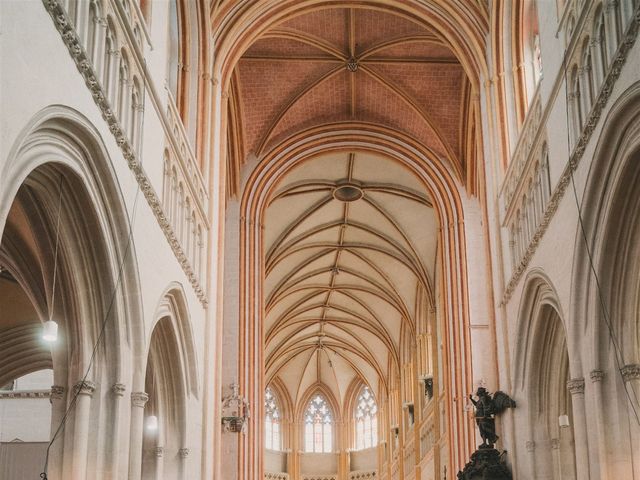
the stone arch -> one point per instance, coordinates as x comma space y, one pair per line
438, 181
610, 223
543, 364
97, 284
605, 292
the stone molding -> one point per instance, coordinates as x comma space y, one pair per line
184, 452
158, 452
139, 399
606, 89
84, 387
118, 389
71, 39
596, 375
576, 386
57, 392
26, 394
630, 372
554, 444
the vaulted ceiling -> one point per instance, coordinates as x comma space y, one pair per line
349, 64
349, 239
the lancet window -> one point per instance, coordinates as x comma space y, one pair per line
366, 420
272, 421
318, 426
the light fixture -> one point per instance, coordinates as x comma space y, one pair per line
563, 421
152, 423
235, 411
50, 331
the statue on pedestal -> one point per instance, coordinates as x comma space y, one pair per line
486, 462
486, 408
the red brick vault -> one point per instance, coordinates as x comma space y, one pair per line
336, 65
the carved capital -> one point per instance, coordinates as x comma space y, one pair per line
630, 372
85, 387
57, 392
554, 443
183, 452
158, 451
596, 375
139, 399
530, 445
576, 386
118, 389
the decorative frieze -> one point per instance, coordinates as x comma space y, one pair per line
276, 476
57, 392
596, 375
25, 394
630, 372
118, 389
576, 386
363, 475
122, 132
84, 387
611, 77
139, 399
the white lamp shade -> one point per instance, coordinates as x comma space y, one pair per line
50, 331
563, 421
152, 423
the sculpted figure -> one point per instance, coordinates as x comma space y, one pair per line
486, 408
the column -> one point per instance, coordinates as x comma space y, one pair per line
58, 407
530, 446
84, 390
138, 401
97, 55
596, 384
576, 387
118, 390
183, 453
631, 377
159, 453
612, 28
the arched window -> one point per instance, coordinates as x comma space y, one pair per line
272, 418
318, 426
366, 420
173, 56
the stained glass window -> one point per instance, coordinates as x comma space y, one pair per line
318, 426
272, 420
366, 420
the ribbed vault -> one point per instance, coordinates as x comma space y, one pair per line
349, 238
351, 64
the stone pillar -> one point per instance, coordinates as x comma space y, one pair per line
613, 28
58, 407
84, 390
576, 387
118, 392
97, 55
596, 384
530, 446
159, 453
138, 401
631, 377
183, 453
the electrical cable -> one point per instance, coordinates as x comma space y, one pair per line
603, 308
130, 225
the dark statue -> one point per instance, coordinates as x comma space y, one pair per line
486, 462
486, 408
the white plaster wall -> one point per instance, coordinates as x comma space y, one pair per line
318, 463
37, 71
